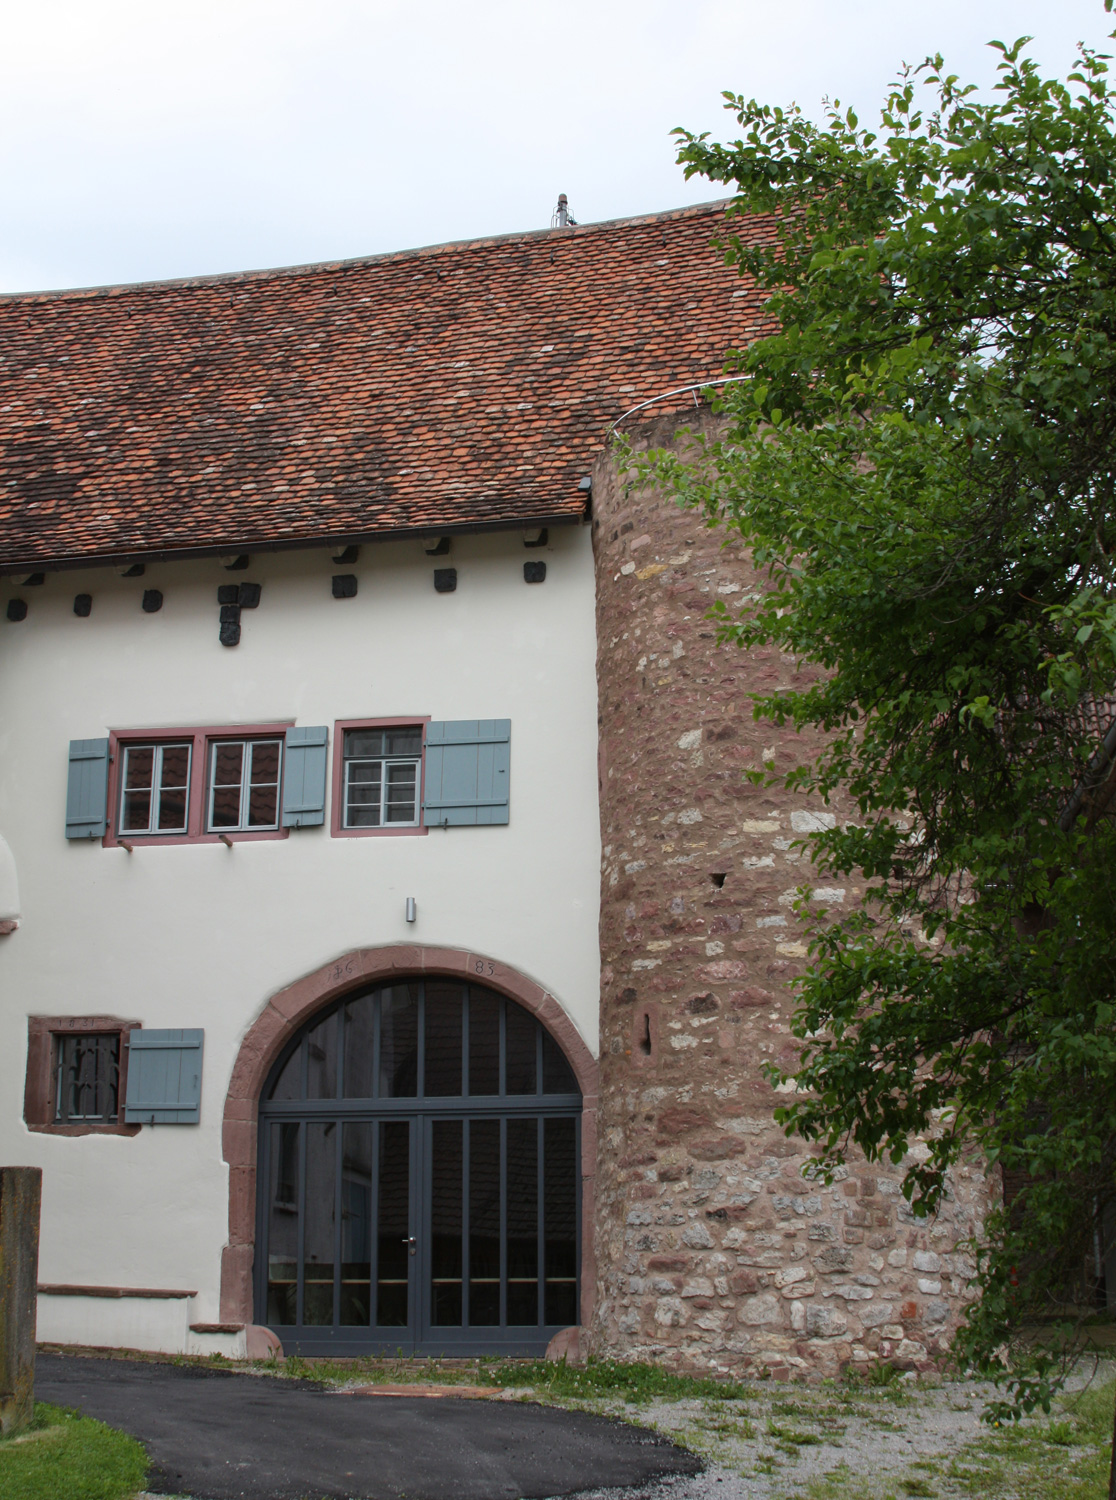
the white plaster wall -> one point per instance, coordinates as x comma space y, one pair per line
202, 935
157, 1324
9, 884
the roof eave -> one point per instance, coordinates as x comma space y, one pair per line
248, 545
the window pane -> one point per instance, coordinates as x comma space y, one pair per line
226, 807
364, 742
227, 773
393, 1221
321, 1059
403, 741
321, 1215
172, 811
228, 764
445, 1224
359, 1019
443, 1039
560, 1222
558, 1077
139, 763
484, 1042
139, 768
265, 762
289, 1083
484, 1223
136, 814
282, 1228
400, 792
175, 770
399, 1042
362, 794
356, 1225
263, 801
523, 1222
520, 1035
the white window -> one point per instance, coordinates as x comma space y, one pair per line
244, 780
156, 788
382, 773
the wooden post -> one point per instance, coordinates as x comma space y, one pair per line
20, 1197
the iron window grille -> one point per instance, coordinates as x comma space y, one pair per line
382, 776
87, 1079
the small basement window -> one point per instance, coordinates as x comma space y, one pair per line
381, 777
87, 1079
244, 778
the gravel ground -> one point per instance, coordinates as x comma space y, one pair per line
784, 1441
797, 1442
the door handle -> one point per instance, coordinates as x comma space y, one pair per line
412, 1244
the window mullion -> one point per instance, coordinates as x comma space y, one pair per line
156, 784
245, 785
211, 785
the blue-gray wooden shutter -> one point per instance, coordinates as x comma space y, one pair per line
164, 1078
304, 777
87, 789
466, 772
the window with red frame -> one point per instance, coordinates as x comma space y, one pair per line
199, 784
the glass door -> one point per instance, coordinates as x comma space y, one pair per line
341, 1242
498, 1247
419, 1178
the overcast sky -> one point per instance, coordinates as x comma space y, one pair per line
144, 139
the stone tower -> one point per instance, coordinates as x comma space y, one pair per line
713, 1251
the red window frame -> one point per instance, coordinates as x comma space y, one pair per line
337, 809
202, 738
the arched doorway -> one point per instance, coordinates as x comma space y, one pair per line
418, 1183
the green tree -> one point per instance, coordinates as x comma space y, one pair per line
921, 456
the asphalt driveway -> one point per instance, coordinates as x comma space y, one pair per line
220, 1435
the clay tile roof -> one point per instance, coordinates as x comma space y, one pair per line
465, 386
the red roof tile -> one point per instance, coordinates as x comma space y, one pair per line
462, 386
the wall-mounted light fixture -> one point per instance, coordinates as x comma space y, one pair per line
412, 909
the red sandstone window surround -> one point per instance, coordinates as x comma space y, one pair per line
51, 1105
216, 783
378, 777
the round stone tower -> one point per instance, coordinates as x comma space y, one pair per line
713, 1251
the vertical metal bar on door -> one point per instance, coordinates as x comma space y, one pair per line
338, 1216
540, 1228
420, 1062
374, 1230
466, 1145
414, 1228
377, 1013
579, 1189
503, 1214
300, 1238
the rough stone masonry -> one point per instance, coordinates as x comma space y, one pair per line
713, 1250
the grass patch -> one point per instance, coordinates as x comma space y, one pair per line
65, 1456
598, 1380
608, 1379
1065, 1459
791, 1438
